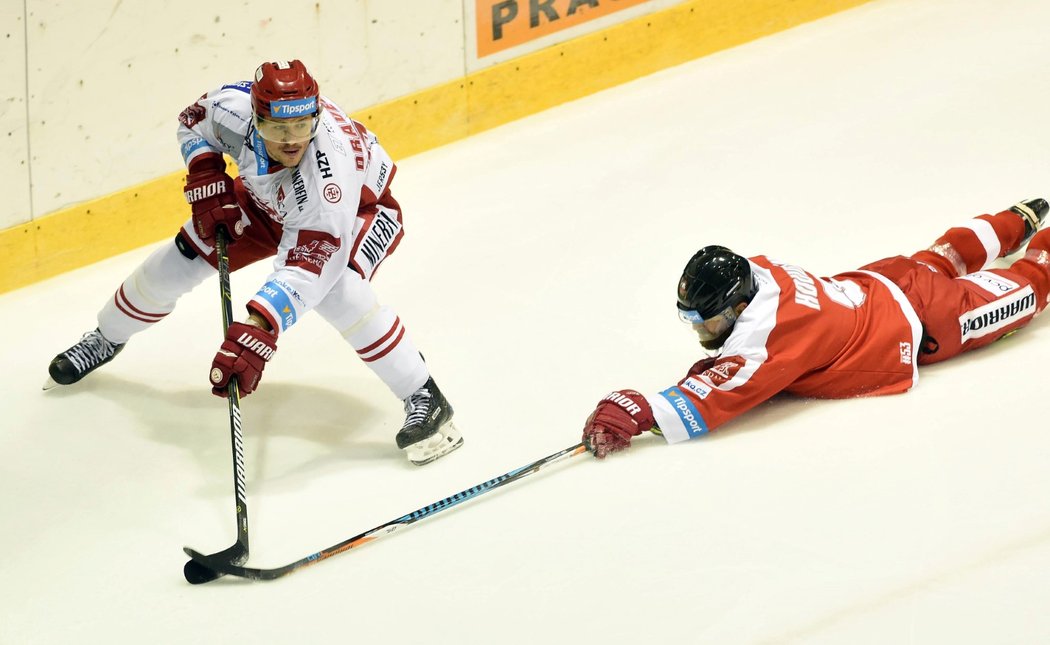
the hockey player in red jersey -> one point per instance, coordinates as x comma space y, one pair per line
774, 327
313, 192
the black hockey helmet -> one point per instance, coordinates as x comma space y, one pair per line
713, 283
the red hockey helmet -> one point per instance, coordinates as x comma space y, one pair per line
282, 94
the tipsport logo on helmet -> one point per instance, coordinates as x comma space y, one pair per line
293, 108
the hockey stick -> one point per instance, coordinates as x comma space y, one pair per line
214, 562
237, 554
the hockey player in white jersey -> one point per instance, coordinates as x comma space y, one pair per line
313, 192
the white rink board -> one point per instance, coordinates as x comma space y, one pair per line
107, 81
14, 165
537, 273
104, 112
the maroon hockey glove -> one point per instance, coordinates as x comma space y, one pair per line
618, 417
243, 354
209, 190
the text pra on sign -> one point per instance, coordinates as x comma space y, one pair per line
502, 24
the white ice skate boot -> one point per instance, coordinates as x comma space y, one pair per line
428, 432
93, 351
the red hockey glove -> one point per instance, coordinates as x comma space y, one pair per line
618, 417
209, 190
243, 354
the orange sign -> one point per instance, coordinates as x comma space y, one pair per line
506, 23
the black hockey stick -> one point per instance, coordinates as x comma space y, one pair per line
217, 563
237, 554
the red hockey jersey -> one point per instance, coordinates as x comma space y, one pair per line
854, 334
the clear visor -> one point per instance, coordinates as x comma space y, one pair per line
709, 328
297, 130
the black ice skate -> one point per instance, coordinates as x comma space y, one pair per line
93, 351
1033, 212
428, 432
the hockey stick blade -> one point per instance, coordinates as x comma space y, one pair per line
198, 574
220, 565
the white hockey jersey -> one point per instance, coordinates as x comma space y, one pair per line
330, 206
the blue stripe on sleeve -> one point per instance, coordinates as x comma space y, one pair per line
243, 86
192, 145
281, 303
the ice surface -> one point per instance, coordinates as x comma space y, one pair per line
538, 273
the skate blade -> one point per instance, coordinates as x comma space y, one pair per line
50, 384
425, 451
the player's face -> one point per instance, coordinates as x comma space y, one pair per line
287, 154
286, 139
712, 330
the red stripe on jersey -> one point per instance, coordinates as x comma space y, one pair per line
368, 198
387, 350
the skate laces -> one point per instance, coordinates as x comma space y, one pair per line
92, 349
417, 406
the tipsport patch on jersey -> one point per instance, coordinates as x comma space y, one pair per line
996, 315
273, 293
687, 412
190, 146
